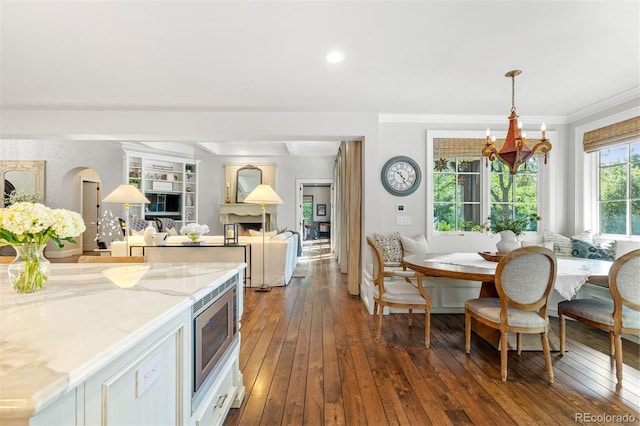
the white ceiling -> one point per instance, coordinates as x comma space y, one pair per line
402, 57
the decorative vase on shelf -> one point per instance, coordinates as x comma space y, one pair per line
30, 269
194, 237
508, 241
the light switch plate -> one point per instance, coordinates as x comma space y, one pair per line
403, 220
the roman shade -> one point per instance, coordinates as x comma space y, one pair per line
614, 134
458, 147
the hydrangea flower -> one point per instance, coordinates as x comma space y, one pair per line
35, 223
194, 230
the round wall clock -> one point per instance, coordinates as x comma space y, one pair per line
400, 176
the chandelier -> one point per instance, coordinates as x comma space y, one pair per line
515, 151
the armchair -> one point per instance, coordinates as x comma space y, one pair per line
398, 293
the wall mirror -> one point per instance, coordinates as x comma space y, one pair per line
247, 178
22, 176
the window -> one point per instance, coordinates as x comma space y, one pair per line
514, 196
456, 194
619, 189
617, 196
307, 208
466, 193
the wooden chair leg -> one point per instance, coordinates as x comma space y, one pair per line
504, 352
379, 333
612, 349
467, 332
547, 355
519, 342
562, 332
618, 348
427, 328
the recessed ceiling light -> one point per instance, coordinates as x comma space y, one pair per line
334, 57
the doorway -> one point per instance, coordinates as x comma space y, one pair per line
90, 214
315, 198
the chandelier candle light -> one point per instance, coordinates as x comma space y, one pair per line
515, 151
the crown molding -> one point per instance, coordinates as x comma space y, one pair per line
611, 102
596, 108
465, 119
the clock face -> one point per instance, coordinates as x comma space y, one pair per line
400, 176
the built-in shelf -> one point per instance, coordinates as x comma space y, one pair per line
169, 183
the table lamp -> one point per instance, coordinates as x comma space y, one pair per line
126, 194
263, 194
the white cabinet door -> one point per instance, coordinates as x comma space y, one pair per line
144, 386
62, 412
144, 391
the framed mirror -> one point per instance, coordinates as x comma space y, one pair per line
22, 176
247, 178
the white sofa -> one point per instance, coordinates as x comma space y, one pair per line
281, 254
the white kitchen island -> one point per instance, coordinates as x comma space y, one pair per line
112, 344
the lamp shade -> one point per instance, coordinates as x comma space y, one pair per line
263, 194
126, 194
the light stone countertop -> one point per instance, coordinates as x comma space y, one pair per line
53, 340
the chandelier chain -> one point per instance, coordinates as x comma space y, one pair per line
513, 93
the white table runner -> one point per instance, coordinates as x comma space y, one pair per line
571, 274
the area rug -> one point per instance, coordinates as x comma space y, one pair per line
301, 270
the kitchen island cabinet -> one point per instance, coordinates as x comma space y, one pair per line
112, 344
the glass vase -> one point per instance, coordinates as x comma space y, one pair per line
30, 269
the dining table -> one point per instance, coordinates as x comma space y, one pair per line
571, 274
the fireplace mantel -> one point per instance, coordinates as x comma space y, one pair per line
248, 213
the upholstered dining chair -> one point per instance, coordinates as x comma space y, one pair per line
617, 316
111, 259
398, 293
524, 279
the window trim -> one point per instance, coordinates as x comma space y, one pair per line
545, 174
597, 194
586, 214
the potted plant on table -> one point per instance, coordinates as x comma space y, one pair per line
509, 230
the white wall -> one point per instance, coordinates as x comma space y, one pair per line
409, 137
175, 126
65, 157
384, 137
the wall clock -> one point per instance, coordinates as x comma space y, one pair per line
400, 176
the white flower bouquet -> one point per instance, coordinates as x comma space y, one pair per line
27, 227
194, 230
35, 223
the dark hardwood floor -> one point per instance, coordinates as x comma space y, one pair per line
309, 357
